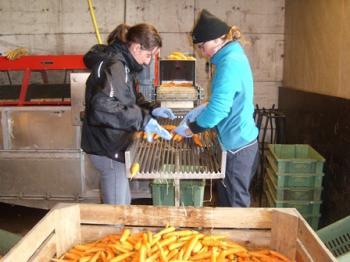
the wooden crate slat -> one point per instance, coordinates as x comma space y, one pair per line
177, 216
283, 237
67, 218
69, 224
46, 251
315, 246
28, 245
302, 253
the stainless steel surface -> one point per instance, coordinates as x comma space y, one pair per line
40, 158
38, 128
34, 173
177, 160
77, 89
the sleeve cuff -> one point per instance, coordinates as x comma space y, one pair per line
195, 128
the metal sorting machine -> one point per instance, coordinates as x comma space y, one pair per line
172, 159
178, 89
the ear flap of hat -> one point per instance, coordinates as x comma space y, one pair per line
208, 27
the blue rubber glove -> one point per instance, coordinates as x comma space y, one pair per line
193, 114
181, 130
163, 112
153, 127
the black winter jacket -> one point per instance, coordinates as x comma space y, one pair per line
113, 108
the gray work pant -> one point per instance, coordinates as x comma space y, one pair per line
114, 183
241, 165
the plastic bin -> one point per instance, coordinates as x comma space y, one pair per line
313, 221
7, 241
292, 193
306, 208
294, 179
294, 159
336, 237
309, 210
191, 193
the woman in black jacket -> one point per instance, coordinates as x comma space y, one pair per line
113, 108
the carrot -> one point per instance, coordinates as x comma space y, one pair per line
181, 233
197, 140
197, 247
125, 235
172, 254
278, 255
214, 254
120, 248
162, 254
176, 245
169, 127
139, 134
190, 247
95, 257
143, 253
165, 231
121, 257
201, 256
164, 242
85, 259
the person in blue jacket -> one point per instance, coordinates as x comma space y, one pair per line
229, 109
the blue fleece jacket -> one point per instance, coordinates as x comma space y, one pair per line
230, 107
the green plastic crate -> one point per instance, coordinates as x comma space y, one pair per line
294, 179
305, 208
294, 159
191, 192
336, 237
313, 221
310, 212
292, 193
7, 241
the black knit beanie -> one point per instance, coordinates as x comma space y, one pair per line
208, 27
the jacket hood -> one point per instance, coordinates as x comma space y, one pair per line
107, 53
130, 61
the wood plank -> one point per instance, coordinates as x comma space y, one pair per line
67, 227
46, 251
309, 62
344, 90
302, 253
28, 245
312, 243
206, 217
283, 237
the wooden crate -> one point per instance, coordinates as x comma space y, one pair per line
283, 230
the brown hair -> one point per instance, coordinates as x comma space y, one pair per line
235, 34
144, 34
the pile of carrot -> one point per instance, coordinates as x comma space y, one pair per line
168, 244
175, 137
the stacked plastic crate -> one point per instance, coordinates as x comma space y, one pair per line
293, 178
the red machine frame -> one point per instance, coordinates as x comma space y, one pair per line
40, 63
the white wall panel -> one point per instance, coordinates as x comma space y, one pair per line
265, 54
166, 15
266, 94
58, 16
175, 42
252, 16
65, 27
